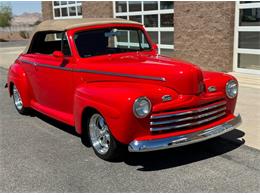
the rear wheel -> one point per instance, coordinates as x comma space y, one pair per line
102, 141
18, 103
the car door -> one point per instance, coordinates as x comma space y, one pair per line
53, 76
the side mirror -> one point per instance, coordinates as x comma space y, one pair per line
58, 54
155, 48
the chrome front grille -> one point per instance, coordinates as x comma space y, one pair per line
187, 118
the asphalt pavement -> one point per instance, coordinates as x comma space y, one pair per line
38, 154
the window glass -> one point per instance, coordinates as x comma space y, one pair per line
64, 11
166, 20
56, 3
79, 8
53, 36
135, 6
123, 36
151, 20
249, 40
67, 9
123, 17
110, 41
249, 17
154, 36
249, 61
57, 12
167, 52
166, 4
46, 42
150, 5
157, 16
121, 6
72, 11
134, 37
249, 1
136, 18
167, 38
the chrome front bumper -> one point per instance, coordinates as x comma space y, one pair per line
176, 141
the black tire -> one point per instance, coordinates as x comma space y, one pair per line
19, 107
116, 150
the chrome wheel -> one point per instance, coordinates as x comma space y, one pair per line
17, 98
99, 134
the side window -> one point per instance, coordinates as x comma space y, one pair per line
48, 42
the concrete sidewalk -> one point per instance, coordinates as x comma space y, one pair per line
248, 104
9, 54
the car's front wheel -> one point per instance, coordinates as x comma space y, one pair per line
102, 141
18, 103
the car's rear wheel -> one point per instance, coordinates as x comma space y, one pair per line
18, 103
102, 141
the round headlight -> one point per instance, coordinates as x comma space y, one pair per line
231, 89
141, 107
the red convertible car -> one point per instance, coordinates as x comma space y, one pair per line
105, 77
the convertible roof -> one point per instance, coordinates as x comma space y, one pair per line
66, 24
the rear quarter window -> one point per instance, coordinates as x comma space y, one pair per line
48, 42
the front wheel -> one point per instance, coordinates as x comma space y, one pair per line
102, 141
18, 103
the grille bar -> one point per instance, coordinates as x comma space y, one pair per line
192, 111
188, 118
187, 124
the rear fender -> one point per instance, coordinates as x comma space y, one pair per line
17, 77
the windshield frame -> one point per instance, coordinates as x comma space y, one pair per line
109, 26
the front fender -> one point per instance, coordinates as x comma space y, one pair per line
219, 80
115, 102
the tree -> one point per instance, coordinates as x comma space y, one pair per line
5, 15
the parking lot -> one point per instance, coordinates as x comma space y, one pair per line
38, 154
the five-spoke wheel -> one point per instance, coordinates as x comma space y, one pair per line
17, 99
18, 102
99, 133
104, 144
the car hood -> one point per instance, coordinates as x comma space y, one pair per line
183, 77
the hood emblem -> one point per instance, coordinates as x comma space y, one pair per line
212, 89
166, 98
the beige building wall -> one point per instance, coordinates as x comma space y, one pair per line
97, 9
204, 33
47, 13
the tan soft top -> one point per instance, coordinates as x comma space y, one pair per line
66, 24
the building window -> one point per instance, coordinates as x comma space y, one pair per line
157, 16
67, 9
247, 37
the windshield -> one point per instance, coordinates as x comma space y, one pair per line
109, 41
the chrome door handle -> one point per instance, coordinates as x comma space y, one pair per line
35, 66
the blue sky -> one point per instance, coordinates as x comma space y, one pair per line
19, 7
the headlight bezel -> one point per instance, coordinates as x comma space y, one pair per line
228, 88
136, 102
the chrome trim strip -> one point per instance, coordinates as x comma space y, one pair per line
95, 71
26, 61
196, 110
187, 124
188, 118
176, 141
